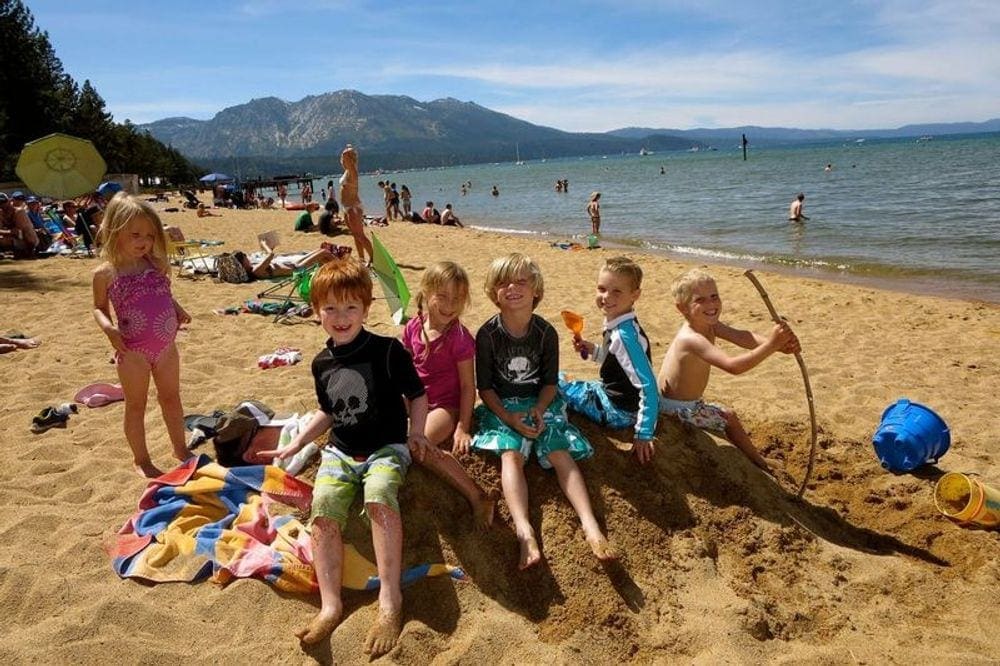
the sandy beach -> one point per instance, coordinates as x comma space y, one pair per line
720, 564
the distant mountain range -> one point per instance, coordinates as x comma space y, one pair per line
779, 135
269, 135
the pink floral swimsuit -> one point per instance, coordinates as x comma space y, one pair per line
145, 310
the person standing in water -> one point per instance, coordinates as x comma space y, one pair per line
594, 210
795, 213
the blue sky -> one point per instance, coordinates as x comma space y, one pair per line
591, 65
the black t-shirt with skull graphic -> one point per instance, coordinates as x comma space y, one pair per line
517, 367
361, 385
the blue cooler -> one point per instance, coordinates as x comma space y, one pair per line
910, 435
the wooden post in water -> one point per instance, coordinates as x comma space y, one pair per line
745, 142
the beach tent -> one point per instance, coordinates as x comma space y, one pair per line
215, 178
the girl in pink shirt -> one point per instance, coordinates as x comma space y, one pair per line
444, 354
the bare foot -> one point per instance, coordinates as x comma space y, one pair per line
531, 554
25, 343
147, 469
384, 633
483, 509
603, 549
320, 627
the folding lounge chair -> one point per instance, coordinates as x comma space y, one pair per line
293, 291
191, 200
182, 253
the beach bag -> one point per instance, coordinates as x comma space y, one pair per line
230, 269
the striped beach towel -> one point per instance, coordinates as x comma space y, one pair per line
203, 520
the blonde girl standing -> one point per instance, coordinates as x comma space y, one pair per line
134, 280
443, 352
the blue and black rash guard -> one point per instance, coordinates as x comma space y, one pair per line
627, 372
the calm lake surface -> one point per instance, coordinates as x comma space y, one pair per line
917, 215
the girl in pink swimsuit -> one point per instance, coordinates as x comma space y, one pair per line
134, 280
443, 353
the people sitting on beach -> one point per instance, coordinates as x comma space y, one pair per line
431, 214
265, 202
328, 219
795, 213
692, 353
626, 395
304, 221
9, 344
204, 211
17, 234
70, 214
448, 218
272, 266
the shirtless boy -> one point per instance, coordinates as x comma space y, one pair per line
795, 213
692, 353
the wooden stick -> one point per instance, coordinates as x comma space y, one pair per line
805, 378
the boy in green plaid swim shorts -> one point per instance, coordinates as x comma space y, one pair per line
363, 384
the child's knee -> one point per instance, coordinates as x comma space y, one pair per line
512, 458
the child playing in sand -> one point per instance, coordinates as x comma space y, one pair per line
517, 369
626, 394
362, 384
443, 351
692, 353
135, 280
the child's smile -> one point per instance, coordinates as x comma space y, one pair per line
615, 295
706, 304
342, 320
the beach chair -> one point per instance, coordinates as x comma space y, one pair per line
293, 291
183, 253
191, 200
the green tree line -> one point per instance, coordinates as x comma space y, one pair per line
37, 98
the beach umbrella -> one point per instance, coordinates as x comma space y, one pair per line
215, 178
109, 188
60, 166
397, 295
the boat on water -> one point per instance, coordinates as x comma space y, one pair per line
926, 137
517, 155
645, 151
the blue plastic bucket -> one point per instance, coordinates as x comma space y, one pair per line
910, 435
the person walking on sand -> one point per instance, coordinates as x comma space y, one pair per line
351, 203
594, 210
795, 213
135, 280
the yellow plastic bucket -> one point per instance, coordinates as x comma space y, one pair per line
967, 500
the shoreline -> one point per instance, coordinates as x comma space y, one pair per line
914, 286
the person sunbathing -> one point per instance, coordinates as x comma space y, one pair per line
203, 211
273, 266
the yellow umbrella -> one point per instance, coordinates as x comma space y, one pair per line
60, 166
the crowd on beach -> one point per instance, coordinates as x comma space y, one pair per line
385, 403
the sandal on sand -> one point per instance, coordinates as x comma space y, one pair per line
50, 417
99, 394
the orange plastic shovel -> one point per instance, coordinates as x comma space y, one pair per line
574, 322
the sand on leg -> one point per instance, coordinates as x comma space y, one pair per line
439, 430
573, 486
387, 538
515, 491
328, 559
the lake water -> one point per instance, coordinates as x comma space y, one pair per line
921, 216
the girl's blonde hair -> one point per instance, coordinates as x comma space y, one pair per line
507, 269
439, 276
683, 286
120, 211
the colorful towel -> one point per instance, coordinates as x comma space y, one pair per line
202, 519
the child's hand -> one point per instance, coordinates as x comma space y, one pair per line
182, 316
583, 347
792, 346
524, 425
643, 449
781, 335
283, 453
115, 337
461, 441
420, 447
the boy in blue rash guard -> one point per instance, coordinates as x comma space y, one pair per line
626, 396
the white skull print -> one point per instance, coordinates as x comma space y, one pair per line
349, 393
